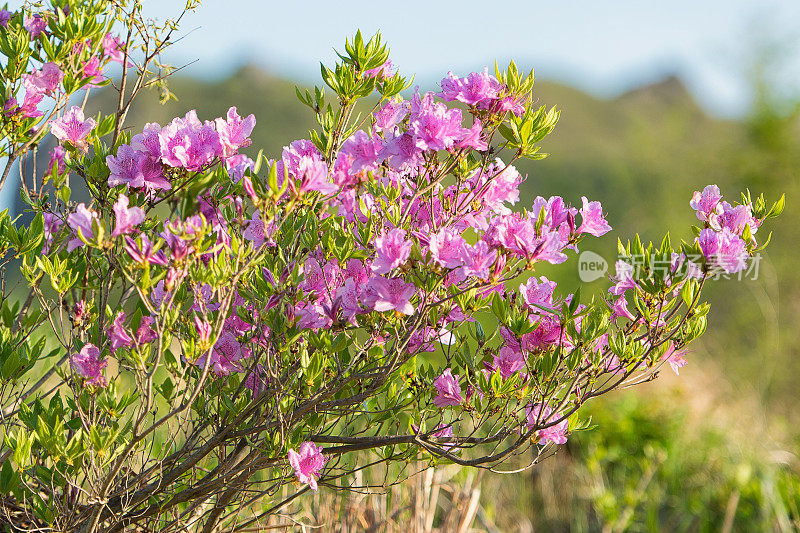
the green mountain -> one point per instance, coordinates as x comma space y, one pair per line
642, 155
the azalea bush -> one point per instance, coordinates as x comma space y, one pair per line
204, 335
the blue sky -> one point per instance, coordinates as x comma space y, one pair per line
604, 47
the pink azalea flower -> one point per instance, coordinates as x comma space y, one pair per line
58, 160
706, 203
29, 107
362, 150
392, 250
91, 70
623, 278
478, 260
135, 169
148, 141
234, 133
447, 247
402, 152
73, 128
735, 218
188, 143
81, 222
592, 219
724, 250
126, 218
35, 24
390, 114
308, 463
203, 329
88, 365
674, 358
390, 295
472, 138
476, 88
145, 334
313, 176
113, 49
5, 16
52, 225
620, 309
118, 334
508, 362
448, 391
433, 125
45, 80
536, 416
538, 293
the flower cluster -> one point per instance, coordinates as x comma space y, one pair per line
185, 143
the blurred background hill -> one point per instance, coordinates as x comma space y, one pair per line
719, 444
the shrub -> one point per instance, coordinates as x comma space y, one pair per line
204, 329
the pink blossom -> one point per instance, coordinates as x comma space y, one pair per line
392, 250
433, 125
91, 70
44, 80
188, 143
113, 49
477, 260
448, 390
592, 219
145, 334
735, 218
383, 294
52, 225
447, 247
35, 24
73, 128
203, 329
472, 138
706, 203
362, 150
620, 309
126, 218
724, 250
390, 114
476, 88
5, 16
88, 365
674, 358
30, 105
308, 463
148, 141
508, 362
81, 223
623, 278
499, 185
234, 133
402, 152
225, 354
313, 176
58, 160
144, 254
538, 294
135, 169
118, 334
536, 417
